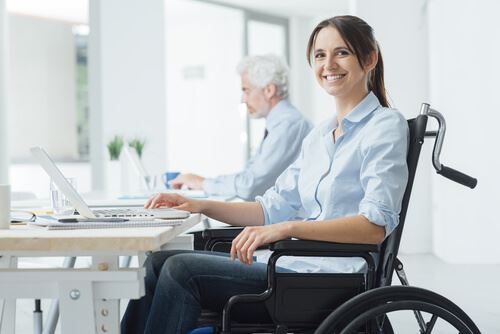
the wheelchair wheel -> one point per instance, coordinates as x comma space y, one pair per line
371, 307
436, 312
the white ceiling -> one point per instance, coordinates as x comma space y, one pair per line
65, 10
308, 8
77, 10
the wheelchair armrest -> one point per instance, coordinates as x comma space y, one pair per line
323, 249
222, 233
322, 246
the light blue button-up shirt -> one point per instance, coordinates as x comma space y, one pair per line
286, 129
363, 173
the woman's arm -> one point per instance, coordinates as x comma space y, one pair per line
238, 214
353, 229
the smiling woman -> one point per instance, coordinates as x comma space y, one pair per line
344, 190
340, 64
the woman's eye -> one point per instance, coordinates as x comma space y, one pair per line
319, 55
342, 53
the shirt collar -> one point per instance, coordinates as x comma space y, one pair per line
364, 108
278, 113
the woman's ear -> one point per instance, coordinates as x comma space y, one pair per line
371, 61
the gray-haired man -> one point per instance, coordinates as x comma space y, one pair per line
264, 83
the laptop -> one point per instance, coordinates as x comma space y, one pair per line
83, 209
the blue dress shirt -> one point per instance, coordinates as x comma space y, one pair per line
286, 129
363, 173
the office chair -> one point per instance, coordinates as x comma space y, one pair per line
346, 303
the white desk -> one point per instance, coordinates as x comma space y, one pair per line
88, 298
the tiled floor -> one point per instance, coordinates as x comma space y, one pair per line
474, 288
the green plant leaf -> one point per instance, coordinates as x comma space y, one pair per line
138, 144
115, 147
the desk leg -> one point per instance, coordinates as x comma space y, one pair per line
53, 314
107, 312
141, 258
76, 304
8, 306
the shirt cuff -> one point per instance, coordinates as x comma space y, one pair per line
380, 215
260, 200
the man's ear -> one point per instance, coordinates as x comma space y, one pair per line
270, 90
372, 61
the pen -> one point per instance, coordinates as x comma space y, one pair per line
93, 220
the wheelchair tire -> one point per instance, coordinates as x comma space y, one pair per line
436, 311
362, 303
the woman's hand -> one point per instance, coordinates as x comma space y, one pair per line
174, 201
252, 237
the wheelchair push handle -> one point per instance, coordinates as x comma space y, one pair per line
449, 173
457, 176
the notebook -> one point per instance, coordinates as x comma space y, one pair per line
53, 224
83, 209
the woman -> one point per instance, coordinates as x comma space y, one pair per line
346, 186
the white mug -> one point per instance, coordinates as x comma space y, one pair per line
4, 206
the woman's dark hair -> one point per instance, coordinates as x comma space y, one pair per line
358, 36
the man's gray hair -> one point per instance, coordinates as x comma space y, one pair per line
266, 69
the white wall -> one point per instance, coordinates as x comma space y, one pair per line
4, 157
127, 79
464, 49
42, 90
33, 179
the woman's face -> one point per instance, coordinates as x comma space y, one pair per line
336, 68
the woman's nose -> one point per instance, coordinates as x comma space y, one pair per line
331, 63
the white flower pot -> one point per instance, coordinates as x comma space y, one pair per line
113, 176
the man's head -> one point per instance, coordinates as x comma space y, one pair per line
264, 82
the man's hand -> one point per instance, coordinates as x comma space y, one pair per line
252, 237
174, 201
192, 181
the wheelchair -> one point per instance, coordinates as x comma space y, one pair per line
342, 303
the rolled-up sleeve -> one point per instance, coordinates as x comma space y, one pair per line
384, 172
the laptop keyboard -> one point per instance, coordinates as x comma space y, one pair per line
124, 213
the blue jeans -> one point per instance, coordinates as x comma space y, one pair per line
179, 284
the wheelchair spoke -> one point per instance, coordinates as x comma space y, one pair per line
420, 321
430, 324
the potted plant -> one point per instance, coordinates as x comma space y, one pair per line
138, 145
115, 147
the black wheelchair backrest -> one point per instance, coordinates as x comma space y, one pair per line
390, 247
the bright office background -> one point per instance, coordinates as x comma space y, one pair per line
76, 73
73, 74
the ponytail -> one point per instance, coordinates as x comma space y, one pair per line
376, 81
